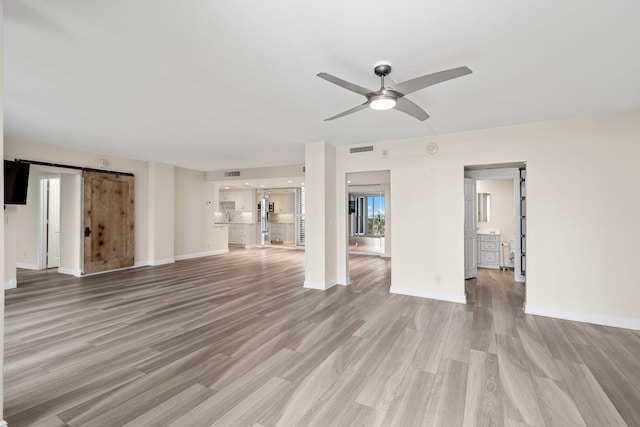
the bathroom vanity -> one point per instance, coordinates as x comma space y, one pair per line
489, 248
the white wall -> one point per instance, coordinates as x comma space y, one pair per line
195, 232
580, 252
502, 209
26, 248
70, 224
161, 213
10, 221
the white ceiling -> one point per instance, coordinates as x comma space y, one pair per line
217, 85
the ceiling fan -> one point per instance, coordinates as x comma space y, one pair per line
386, 98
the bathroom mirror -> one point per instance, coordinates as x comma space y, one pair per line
484, 207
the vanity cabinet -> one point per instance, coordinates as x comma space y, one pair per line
489, 251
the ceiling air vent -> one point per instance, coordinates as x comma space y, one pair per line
361, 149
231, 173
304, 169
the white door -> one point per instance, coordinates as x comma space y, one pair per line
53, 226
470, 243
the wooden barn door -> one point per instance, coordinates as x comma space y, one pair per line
108, 221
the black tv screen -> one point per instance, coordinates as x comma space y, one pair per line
16, 181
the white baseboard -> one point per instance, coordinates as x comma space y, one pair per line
385, 256
428, 294
162, 261
577, 316
343, 282
69, 271
27, 266
11, 284
320, 286
201, 254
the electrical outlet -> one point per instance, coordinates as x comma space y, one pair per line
438, 279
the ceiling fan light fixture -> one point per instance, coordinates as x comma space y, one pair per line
382, 102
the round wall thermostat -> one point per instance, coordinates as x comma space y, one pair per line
432, 148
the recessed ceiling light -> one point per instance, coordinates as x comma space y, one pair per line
289, 181
261, 185
348, 182
226, 188
246, 183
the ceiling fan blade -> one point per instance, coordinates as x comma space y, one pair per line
430, 79
409, 107
349, 111
345, 84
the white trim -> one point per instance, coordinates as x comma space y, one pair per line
320, 286
343, 282
428, 294
27, 266
142, 264
11, 284
201, 254
385, 256
111, 271
577, 316
493, 173
70, 271
162, 261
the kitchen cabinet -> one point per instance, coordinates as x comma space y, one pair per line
242, 234
283, 202
243, 199
281, 233
227, 196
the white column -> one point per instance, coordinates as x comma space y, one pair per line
320, 193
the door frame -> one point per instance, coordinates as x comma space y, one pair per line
43, 202
495, 172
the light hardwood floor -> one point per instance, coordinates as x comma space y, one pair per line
235, 340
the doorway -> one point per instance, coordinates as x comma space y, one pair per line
282, 218
368, 213
49, 222
498, 243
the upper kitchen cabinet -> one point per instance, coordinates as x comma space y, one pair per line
284, 202
244, 199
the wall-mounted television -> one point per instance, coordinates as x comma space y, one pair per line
16, 181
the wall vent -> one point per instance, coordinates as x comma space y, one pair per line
361, 149
231, 173
304, 169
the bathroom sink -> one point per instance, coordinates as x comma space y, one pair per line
488, 231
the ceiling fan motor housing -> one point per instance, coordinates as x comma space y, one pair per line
382, 70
